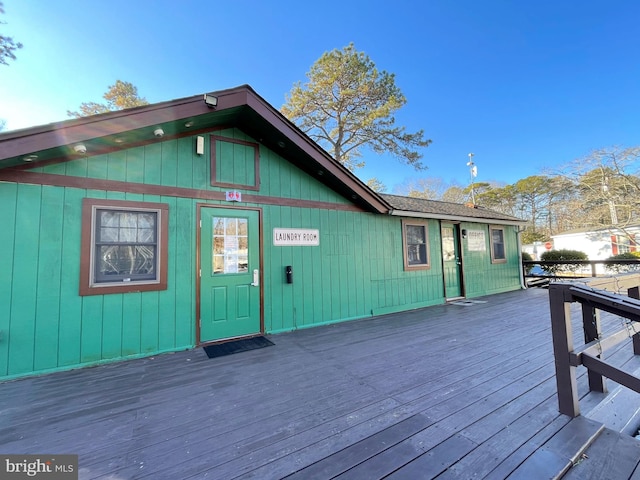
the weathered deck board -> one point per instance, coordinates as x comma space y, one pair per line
613, 456
447, 391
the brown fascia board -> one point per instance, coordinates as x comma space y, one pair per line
30, 140
27, 141
310, 148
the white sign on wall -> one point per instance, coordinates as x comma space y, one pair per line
476, 241
302, 237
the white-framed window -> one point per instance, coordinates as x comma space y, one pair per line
498, 250
415, 237
124, 246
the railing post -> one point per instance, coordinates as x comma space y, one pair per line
591, 326
562, 345
634, 292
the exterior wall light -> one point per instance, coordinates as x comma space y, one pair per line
210, 100
158, 132
80, 148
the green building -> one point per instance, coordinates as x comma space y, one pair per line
173, 225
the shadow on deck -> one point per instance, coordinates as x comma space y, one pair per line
453, 391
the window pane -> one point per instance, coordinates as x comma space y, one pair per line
230, 245
231, 264
128, 219
448, 244
497, 244
108, 234
146, 235
416, 245
126, 246
218, 245
109, 219
231, 226
127, 235
127, 227
218, 264
242, 226
218, 226
243, 264
243, 245
147, 220
126, 261
415, 234
417, 254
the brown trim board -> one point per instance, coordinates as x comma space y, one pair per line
34, 178
85, 287
213, 140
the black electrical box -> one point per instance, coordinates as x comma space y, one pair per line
289, 273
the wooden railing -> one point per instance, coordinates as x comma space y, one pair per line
595, 295
527, 264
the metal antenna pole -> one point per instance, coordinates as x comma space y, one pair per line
473, 171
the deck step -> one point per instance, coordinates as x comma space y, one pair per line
560, 452
619, 409
612, 455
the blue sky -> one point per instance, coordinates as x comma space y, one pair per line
525, 86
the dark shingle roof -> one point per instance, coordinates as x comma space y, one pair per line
446, 210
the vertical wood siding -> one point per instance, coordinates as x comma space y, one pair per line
356, 271
481, 277
174, 163
44, 324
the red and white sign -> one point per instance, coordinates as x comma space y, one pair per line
234, 196
548, 245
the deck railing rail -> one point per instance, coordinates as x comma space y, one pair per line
594, 295
578, 268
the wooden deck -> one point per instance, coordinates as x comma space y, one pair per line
449, 392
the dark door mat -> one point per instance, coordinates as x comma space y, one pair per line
236, 346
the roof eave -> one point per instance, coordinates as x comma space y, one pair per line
455, 218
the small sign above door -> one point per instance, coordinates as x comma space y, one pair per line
233, 196
291, 237
476, 241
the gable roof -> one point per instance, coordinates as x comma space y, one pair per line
423, 208
239, 107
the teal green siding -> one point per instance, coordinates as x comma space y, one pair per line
174, 163
481, 277
45, 325
235, 163
356, 271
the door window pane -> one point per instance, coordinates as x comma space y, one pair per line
230, 247
448, 244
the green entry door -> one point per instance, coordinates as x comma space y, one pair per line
451, 260
230, 276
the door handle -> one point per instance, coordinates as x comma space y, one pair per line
256, 278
